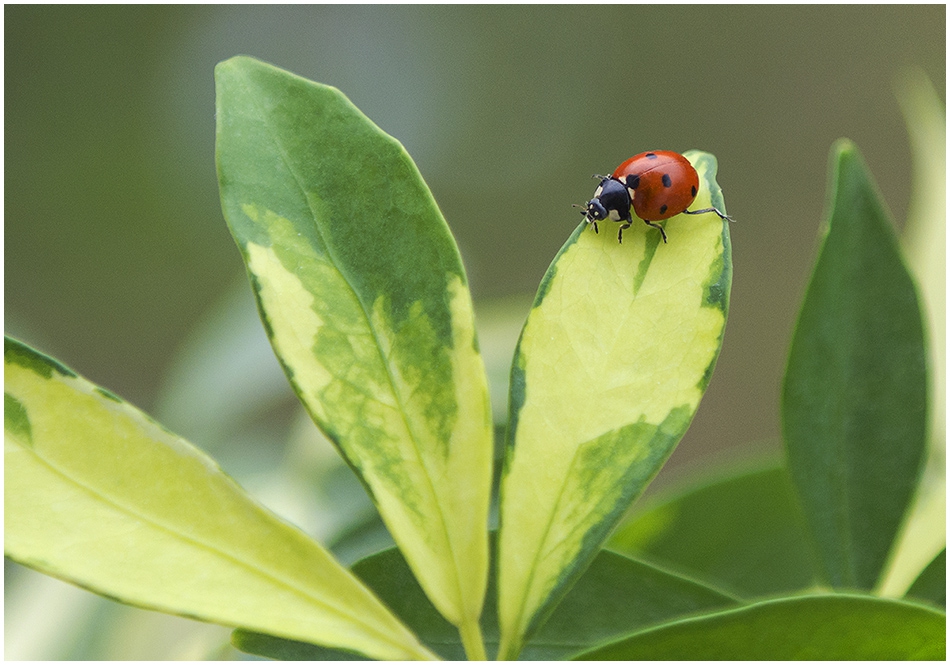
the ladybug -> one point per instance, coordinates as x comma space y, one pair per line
656, 185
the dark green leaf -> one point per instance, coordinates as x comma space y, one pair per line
854, 399
278, 648
742, 532
931, 584
833, 627
615, 596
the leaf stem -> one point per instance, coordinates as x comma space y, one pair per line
471, 633
506, 649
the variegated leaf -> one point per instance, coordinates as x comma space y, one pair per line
610, 368
365, 300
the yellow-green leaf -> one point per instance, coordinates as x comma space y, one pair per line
609, 371
362, 291
98, 494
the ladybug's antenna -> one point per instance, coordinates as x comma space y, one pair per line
587, 216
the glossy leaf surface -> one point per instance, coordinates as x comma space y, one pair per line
741, 531
614, 596
362, 292
98, 494
610, 368
833, 627
854, 408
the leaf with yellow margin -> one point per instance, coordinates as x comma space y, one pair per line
610, 368
100, 495
362, 292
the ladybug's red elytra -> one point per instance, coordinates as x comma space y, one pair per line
656, 185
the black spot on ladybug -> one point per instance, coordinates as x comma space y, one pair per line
667, 182
693, 189
663, 210
650, 155
633, 181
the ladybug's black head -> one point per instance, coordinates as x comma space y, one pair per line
594, 210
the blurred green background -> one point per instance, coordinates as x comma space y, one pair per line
118, 261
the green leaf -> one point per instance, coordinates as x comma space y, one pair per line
100, 495
277, 648
613, 597
854, 408
742, 532
833, 627
362, 291
931, 584
610, 368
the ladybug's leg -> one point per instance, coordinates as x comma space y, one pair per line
620, 232
657, 226
705, 210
